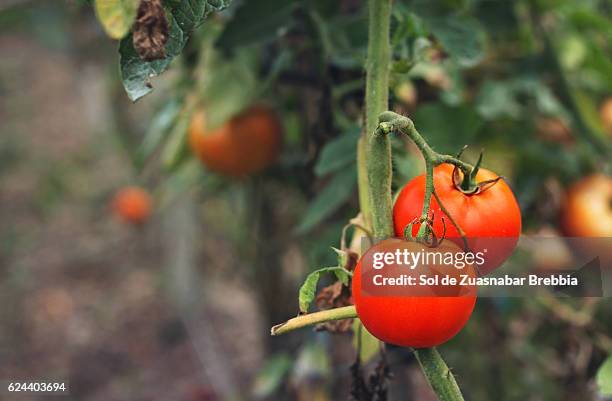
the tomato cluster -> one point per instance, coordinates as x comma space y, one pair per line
491, 222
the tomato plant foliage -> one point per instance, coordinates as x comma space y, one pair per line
184, 16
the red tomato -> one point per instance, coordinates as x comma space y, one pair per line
410, 316
244, 145
133, 204
491, 219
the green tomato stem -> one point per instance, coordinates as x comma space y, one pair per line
345, 312
392, 122
439, 375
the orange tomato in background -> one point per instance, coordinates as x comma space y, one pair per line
605, 113
133, 205
244, 145
587, 211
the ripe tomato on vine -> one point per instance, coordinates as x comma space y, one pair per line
490, 218
419, 315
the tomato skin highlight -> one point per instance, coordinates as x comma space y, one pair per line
410, 321
133, 205
244, 145
493, 213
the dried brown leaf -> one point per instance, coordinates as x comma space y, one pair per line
150, 30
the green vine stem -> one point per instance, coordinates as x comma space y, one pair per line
392, 122
439, 375
377, 148
378, 162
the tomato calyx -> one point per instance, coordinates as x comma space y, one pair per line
430, 238
467, 183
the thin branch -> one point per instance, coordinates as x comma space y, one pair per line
346, 312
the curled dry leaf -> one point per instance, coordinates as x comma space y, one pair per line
150, 30
335, 296
351, 260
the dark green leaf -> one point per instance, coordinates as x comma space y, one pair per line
447, 128
335, 193
308, 290
496, 100
136, 73
338, 153
462, 37
256, 21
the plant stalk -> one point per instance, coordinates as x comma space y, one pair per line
380, 169
439, 375
377, 100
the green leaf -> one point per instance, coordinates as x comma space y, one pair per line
366, 343
338, 153
604, 377
447, 128
270, 377
497, 99
308, 290
175, 150
255, 22
159, 127
116, 16
136, 73
230, 85
335, 193
462, 37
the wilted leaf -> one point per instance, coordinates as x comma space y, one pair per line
116, 16
338, 153
346, 259
308, 290
335, 193
604, 377
136, 73
150, 32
